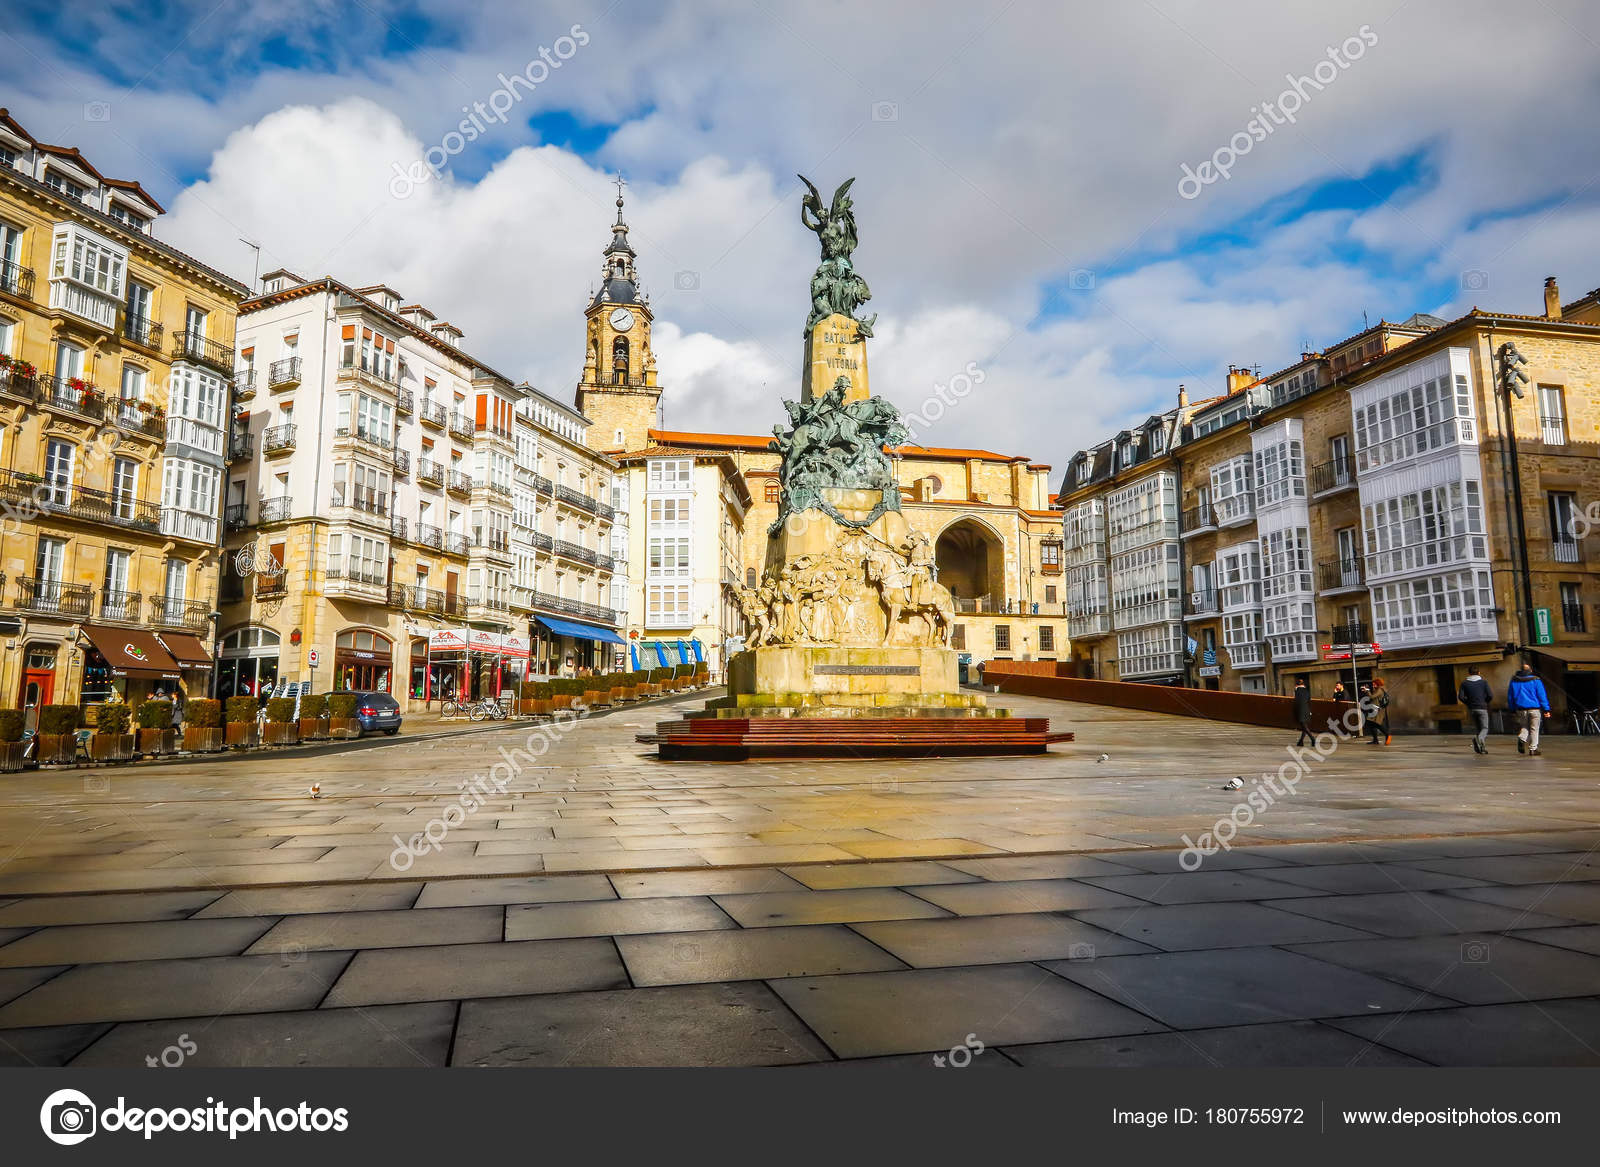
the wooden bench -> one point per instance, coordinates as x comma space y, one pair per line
738, 738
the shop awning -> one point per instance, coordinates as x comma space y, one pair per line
1579, 658
186, 650
699, 654
132, 652
579, 631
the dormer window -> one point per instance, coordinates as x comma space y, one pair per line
1127, 453
1158, 440
130, 218
1083, 470
61, 184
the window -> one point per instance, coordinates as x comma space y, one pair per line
667, 606
1158, 440
85, 258
1564, 526
132, 218
132, 383
1084, 468
1572, 608
1439, 525
61, 184
1002, 638
1050, 556
69, 361
58, 460
49, 562
1050, 594
771, 490
670, 473
1552, 415
1047, 638
669, 512
138, 309
1231, 492
124, 487
364, 348
750, 577
177, 581
1449, 607
116, 582
668, 557
196, 394
1428, 416
1280, 472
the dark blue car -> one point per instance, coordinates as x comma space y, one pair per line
378, 711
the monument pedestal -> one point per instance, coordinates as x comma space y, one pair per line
835, 348
822, 680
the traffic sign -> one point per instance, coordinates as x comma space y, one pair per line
312, 657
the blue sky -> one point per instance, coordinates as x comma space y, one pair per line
1017, 170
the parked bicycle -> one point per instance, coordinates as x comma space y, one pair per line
1584, 721
489, 709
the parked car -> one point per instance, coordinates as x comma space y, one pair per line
378, 711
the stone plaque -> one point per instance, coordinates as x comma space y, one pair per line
867, 670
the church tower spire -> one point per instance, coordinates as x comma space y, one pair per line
618, 391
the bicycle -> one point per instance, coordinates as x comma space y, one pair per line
450, 707
1584, 721
489, 709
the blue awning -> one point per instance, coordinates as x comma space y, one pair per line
633, 656
580, 631
699, 657
683, 653
661, 651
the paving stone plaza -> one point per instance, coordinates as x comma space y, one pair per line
1407, 905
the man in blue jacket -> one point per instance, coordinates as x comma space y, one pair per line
1529, 705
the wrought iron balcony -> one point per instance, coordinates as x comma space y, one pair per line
429, 600
402, 463
543, 542
1204, 602
1197, 519
347, 435
279, 439
276, 510
604, 562
430, 472
434, 414
193, 346
404, 402
53, 597
461, 426
357, 372
71, 395
545, 601
397, 527
142, 330
455, 544
16, 280
1356, 633
241, 446
123, 606
31, 492
430, 536
283, 373
359, 574
363, 499
1337, 474
543, 485
459, 483
1566, 550
236, 517
244, 385
18, 379
171, 612
1342, 575
577, 499
1553, 430
573, 551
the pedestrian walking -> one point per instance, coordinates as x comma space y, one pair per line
1375, 708
1339, 693
1302, 712
1477, 696
1529, 705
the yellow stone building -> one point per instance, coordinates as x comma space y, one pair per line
116, 362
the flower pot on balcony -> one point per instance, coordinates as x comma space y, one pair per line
243, 735
343, 727
283, 733
313, 729
156, 742
57, 749
202, 739
111, 747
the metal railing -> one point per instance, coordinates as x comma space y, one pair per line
462, 426
171, 612
142, 330
577, 498
402, 463
1566, 551
72, 395
573, 551
1204, 602
24, 385
283, 372
1341, 573
455, 544
236, 516
404, 402
279, 437
362, 498
53, 596
1351, 633
430, 536
1573, 618
79, 502
1553, 430
356, 574
244, 384
434, 414
543, 485
192, 346
1335, 474
424, 599
361, 433
241, 445
430, 472
397, 527
16, 279
459, 482
1197, 518
276, 510
543, 542
123, 606
593, 612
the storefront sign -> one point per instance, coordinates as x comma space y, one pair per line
447, 640
1211, 670
514, 647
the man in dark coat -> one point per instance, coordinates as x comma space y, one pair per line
1302, 712
1477, 697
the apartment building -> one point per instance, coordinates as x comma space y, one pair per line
116, 354
1421, 487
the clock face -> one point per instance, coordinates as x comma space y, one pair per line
622, 320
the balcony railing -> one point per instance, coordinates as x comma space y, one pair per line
1197, 519
241, 446
543, 485
192, 346
1336, 474
32, 492
397, 527
1566, 551
142, 330
16, 280
404, 401
53, 597
135, 417
1341, 573
72, 395
430, 472
1553, 430
1356, 633
402, 463
430, 536
276, 510
577, 499
434, 414
170, 612
360, 433
1573, 618
604, 562
461, 426
357, 573
278, 439
1202, 603
459, 483
594, 612
543, 542
122, 606
283, 372
362, 499
355, 371
455, 544
236, 517
494, 599
573, 551
244, 384
426, 599
24, 384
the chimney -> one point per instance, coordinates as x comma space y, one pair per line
1183, 396
1238, 378
1552, 299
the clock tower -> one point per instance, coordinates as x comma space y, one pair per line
618, 391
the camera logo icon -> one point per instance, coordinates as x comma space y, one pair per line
686, 281
1081, 279
1474, 280
885, 111
97, 111
68, 1117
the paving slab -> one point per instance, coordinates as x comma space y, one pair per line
1238, 986
535, 889
890, 873
1199, 887
1579, 938
146, 940
403, 929
1008, 939
199, 986
48, 1045
934, 1010
1362, 878
1570, 901
449, 972
693, 1025
1022, 895
382, 1036
751, 954
323, 898
1563, 867
105, 909
1291, 1044
1012, 867
614, 918
1178, 927
702, 883
1170, 862
1473, 968
773, 909
1543, 1033
1415, 913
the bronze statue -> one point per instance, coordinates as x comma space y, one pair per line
836, 289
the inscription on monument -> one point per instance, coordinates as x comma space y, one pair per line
866, 670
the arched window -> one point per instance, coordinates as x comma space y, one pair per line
749, 577
619, 361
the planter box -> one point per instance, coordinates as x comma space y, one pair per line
10, 757
562, 701
630, 693
155, 742
56, 749
313, 729
539, 707
202, 740
617, 696
283, 733
595, 697
112, 747
343, 727
243, 734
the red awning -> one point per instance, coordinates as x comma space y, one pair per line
132, 652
